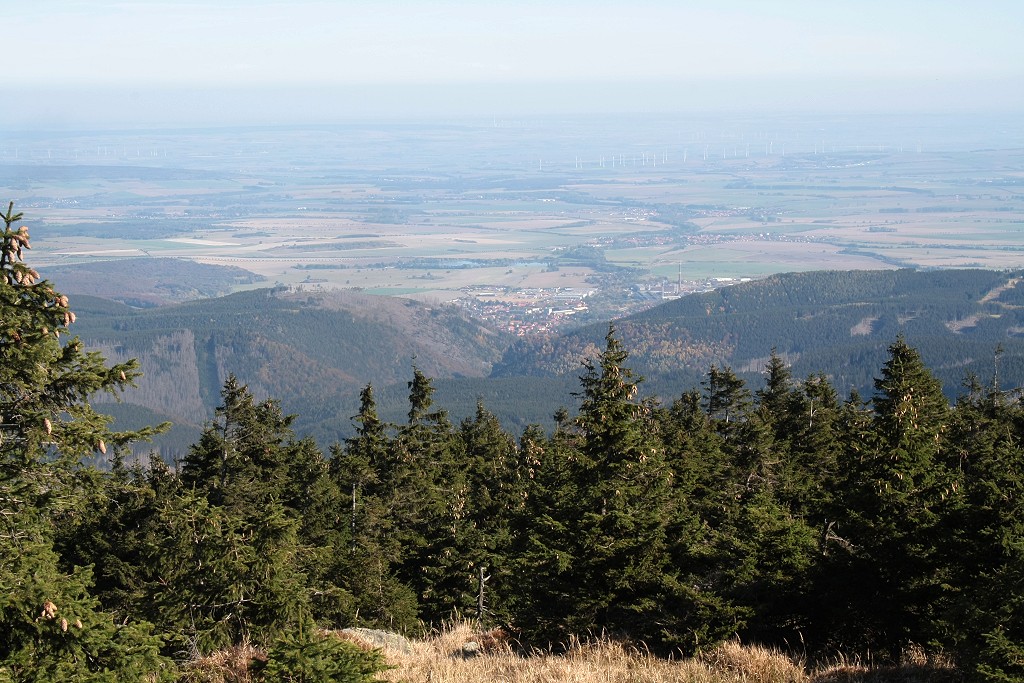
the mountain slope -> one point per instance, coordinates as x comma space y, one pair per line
839, 323
311, 351
314, 351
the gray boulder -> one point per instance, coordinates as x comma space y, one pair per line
381, 639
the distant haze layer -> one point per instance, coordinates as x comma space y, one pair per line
119, 106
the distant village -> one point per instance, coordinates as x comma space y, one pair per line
529, 311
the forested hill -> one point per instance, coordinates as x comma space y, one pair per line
837, 323
149, 282
314, 351
311, 351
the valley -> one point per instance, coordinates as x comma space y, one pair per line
315, 351
491, 254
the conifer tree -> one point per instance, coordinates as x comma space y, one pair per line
983, 526
774, 397
542, 559
496, 482
747, 435
695, 452
705, 503
761, 548
727, 399
240, 458
223, 577
45, 384
51, 625
812, 425
114, 530
617, 521
353, 468
425, 491
421, 392
369, 552
882, 549
269, 500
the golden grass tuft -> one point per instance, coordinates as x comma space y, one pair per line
753, 663
915, 666
440, 659
230, 665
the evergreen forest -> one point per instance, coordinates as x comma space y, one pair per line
780, 512
314, 351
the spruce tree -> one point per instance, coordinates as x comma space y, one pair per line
705, 503
496, 479
696, 454
883, 566
621, 563
240, 459
222, 577
542, 557
267, 498
439, 563
114, 530
774, 397
45, 384
423, 486
983, 528
51, 624
368, 550
762, 547
812, 427
727, 400
52, 627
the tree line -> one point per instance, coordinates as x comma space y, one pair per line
784, 514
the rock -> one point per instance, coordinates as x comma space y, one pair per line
378, 638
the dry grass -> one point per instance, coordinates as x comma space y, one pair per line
223, 666
916, 666
442, 658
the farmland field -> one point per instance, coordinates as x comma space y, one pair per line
432, 211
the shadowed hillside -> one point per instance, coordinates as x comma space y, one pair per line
312, 351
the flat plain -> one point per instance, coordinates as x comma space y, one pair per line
444, 210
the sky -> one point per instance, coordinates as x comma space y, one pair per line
153, 61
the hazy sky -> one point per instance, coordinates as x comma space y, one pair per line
221, 59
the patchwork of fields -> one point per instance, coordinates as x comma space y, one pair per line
623, 213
